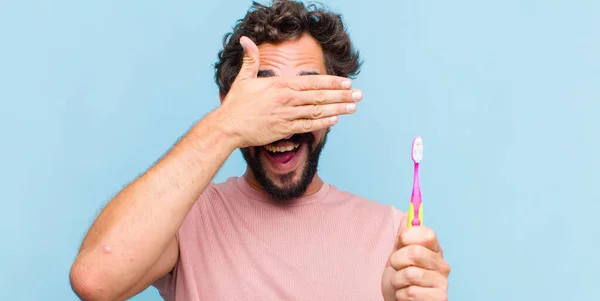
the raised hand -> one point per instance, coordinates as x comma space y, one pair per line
258, 111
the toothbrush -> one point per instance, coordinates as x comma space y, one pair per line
415, 212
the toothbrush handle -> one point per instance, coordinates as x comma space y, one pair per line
415, 212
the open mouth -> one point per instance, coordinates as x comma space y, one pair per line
283, 155
282, 152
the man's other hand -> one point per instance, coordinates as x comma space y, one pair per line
416, 269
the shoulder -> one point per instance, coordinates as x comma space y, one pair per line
213, 194
220, 189
368, 206
215, 191
364, 203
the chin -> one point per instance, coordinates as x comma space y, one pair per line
285, 168
286, 181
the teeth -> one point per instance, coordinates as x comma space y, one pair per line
281, 149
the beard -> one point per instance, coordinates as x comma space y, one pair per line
289, 189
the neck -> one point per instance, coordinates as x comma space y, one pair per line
315, 185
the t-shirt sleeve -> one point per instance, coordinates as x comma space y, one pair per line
167, 284
399, 219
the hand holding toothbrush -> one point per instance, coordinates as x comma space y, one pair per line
416, 269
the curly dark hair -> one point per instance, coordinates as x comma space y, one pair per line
287, 20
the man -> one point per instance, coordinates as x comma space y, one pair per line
279, 232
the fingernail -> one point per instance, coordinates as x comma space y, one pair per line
333, 119
346, 84
350, 107
356, 95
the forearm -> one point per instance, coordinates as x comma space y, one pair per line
134, 229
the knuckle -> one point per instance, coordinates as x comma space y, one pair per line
415, 252
396, 280
346, 95
320, 97
248, 61
284, 97
400, 296
402, 239
395, 259
408, 293
285, 113
287, 128
412, 292
279, 83
445, 268
314, 83
335, 82
307, 124
317, 111
430, 235
412, 273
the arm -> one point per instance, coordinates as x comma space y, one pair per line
132, 242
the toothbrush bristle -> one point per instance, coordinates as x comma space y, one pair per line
417, 150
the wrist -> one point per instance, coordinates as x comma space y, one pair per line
217, 130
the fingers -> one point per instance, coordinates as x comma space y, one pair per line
321, 111
416, 293
317, 89
318, 82
311, 118
419, 269
251, 59
421, 257
421, 235
309, 125
414, 276
318, 97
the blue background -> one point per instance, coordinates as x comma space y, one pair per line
506, 95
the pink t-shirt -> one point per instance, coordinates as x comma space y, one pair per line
235, 245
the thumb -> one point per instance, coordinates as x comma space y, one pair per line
251, 59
